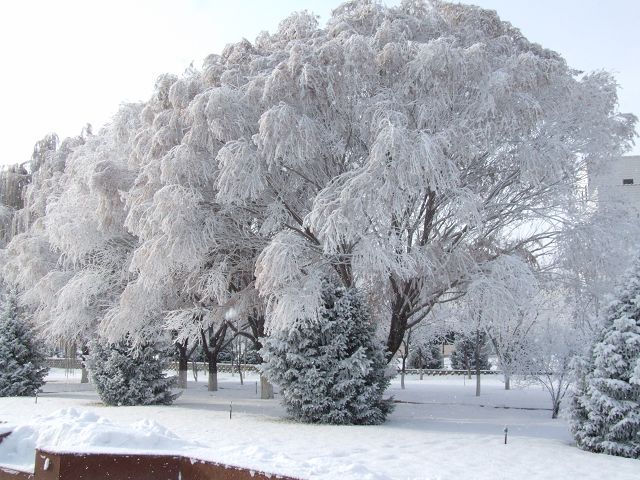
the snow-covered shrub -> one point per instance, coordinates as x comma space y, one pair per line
605, 413
426, 355
330, 370
126, 376
464, 355
22, 368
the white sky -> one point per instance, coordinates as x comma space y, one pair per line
69, 62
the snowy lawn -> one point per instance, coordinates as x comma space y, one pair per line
439, 431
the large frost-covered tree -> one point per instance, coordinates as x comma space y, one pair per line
331, 370
22, 362
70, 263
404, 148
606, 407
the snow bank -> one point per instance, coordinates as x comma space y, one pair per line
71, 430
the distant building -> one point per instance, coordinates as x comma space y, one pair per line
619, 183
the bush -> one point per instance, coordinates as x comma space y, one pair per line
124, 376
22, 361
330, 370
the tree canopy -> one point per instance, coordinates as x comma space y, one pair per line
400, 150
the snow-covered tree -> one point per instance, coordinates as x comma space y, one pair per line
592, 253
332, 370
405, 147
131, 376
501, 302
471, 352
420, 349
555, 342
426, 355
13, 182
606, 407
22, 361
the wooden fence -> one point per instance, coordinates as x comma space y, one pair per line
225, 367
439, 372
52, 465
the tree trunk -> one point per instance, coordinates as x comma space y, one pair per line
404, 360
400, 313
556, 409
84, 373
266, 389
194, 370
212, 344
507, 381
396, 333
240, 370
477, 358
256, 323
212, 383
183, 367
183, 362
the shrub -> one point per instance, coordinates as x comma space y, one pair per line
126, 376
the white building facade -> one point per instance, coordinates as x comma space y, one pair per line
618, 183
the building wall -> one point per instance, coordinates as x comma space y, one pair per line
608, 186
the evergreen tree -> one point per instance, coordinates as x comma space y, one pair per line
463, 356
22, 368
330, 370
605, 413
426, 355
124, 376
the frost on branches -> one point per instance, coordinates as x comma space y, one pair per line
408, 147
605, 411
22, 368
331, 370
126, 376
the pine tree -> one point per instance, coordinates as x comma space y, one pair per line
605, 413
22, 368
330, 370
463, 356
126, 376
426, 355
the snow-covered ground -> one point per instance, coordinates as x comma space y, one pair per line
440, 430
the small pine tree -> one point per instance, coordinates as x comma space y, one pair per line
463, 356
605, 409
131, 377
22, 360
427, 355
331, 370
